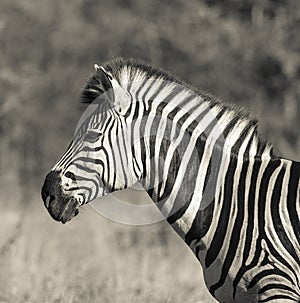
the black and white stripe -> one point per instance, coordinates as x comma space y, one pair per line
202, 162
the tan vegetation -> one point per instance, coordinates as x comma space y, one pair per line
246, 52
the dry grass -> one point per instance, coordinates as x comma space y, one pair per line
48, 48
95, 260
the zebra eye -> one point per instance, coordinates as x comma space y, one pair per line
92, 136
70, 175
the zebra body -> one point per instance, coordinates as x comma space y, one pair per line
202, 162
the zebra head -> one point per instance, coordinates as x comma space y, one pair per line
94, 163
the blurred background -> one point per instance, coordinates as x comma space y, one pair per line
244, 51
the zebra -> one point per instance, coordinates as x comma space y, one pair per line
217, 183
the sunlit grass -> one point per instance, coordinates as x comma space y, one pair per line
95, 260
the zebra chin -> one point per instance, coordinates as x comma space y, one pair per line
62, 210
65, 212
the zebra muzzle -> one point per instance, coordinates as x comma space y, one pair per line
60, 206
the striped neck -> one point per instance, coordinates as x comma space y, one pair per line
183, 140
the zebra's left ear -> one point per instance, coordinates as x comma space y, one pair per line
96, 67
105, 80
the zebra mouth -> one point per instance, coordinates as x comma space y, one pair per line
69, 211
62, 211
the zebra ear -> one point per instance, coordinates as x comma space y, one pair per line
106, 82
104, 78
114, 92
122, 99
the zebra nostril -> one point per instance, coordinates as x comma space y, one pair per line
49, 200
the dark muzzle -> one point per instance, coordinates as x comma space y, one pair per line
60, 206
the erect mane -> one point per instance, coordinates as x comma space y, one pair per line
135, 69
129, 70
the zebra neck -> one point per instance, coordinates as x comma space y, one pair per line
184, 166
196, 193
193, 153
